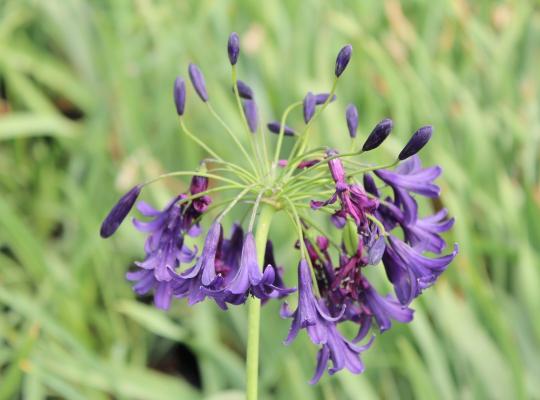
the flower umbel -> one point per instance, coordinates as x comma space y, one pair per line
376, 222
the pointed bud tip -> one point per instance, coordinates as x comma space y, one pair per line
233, 48
309, 106
417, 141
342, 60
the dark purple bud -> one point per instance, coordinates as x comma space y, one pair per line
180, 95
417, 141
321, 98
343, 59
370, 186
275, 127
309, 107
244, 91
199, 184
351, 115
119, 212
197, 80
378, 134
250, 111
233, 48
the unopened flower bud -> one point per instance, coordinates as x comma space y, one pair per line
418, 140
378, 134
351, 115
233, 48
180, 95
119, 212
197, 80
309, 106
250, 111
244, 91
343, 59
320, 98
275, 127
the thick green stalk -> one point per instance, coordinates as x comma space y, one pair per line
254, 307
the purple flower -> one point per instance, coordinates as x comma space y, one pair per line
233, 48
165, 250
384, 309
312, 315
351, 115
250, 111
343, 59
321, 98
244, 91
275, 127
378, 134
180, 95
249, 279
309, 107
418, 140
411, 272
189, 284
410, 176
197, 80
354, 200
119, 212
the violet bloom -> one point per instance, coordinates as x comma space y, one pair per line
165, 250
203, 274
119, 212
410, 176
312, 315
411, 272
197, 80
354, 200
384, 309
249, 279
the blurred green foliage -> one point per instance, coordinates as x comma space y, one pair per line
87, 112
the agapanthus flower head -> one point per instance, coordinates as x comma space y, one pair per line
377, 222
233, 48
342, 60
180, 95
418, 140
351, 115
378, 135
119, 212
197, 80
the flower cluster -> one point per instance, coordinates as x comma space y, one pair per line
374, 222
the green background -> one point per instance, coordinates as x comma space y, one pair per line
87, 112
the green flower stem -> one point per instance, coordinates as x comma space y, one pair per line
282, 130
233, 137
254, 307
193, 173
